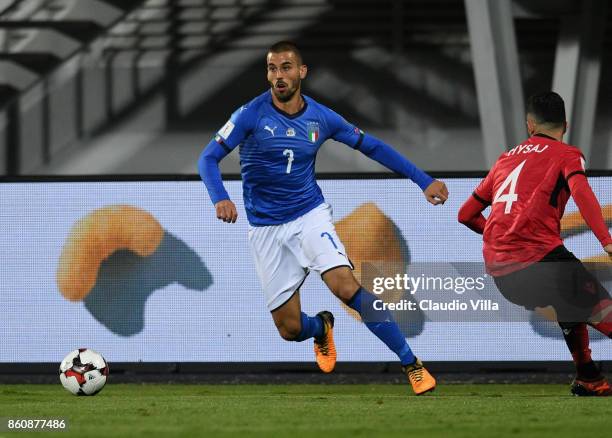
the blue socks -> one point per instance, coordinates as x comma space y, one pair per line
381, 323
312, 327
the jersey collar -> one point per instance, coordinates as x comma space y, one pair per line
291, 116
545, 136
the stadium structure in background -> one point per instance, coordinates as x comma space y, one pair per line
139, 86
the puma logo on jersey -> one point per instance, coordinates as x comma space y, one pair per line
267, 128
526, 149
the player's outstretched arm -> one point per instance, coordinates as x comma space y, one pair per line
208, 167
590, 209
435, 191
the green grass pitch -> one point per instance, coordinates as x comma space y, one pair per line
164, 410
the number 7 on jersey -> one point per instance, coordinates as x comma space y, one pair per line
289, 154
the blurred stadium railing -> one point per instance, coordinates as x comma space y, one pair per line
123, 87
42, 45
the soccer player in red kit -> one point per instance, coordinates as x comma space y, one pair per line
527, 189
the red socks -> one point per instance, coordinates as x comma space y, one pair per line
577, 340
603, 313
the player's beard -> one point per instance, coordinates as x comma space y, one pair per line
289, 92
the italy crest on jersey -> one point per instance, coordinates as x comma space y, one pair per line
313, 131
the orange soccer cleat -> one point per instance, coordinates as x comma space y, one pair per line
593, 388
420, 379
324, 348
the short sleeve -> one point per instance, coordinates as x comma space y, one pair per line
573, 163
343, 131
236, 129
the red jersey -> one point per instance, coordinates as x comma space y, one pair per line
528, 190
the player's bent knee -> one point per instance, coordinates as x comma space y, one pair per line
290, 331
346, 292
342, 283
345, 289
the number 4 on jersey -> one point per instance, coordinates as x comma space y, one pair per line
510, 197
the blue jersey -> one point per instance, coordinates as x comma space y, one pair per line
277, 155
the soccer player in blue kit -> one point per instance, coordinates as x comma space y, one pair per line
291, 231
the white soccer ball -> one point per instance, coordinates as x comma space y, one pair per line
83, 372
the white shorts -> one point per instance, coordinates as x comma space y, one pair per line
284, 254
